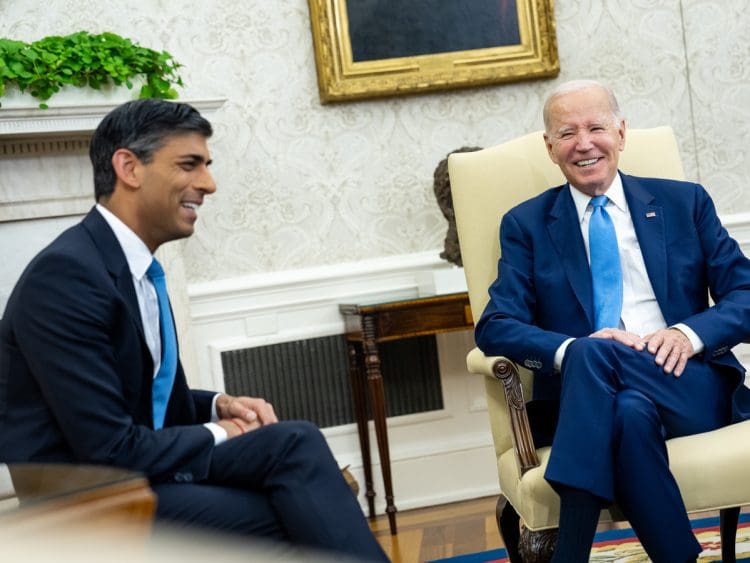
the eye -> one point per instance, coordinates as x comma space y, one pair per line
566, 135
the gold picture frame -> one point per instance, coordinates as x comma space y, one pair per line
341, 78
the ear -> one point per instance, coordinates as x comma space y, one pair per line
548, 144
125, 164
622, 135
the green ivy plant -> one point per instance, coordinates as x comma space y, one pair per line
81, 59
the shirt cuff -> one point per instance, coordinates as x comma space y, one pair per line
560, 354
214, 414
220, 435
695, 340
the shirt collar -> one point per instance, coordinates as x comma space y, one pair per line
615, 193
137, 254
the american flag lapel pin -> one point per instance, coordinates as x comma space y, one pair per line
650, 214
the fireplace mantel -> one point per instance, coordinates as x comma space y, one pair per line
31, 130
40, 152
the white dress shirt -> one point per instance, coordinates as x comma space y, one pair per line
139, 259
640, 314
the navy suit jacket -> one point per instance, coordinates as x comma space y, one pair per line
76, 373
543, 294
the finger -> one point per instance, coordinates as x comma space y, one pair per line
254, 426
681, 364
655, 343
676, 362
630, 339
671, 360
661, 351
606, 333
233, 426
267, 414
249, 415
240, 407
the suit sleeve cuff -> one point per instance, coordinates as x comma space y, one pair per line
695, 340
220, 435
560, 354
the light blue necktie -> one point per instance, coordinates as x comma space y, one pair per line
162, 385
606, 273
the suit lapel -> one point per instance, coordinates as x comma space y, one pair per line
116, 264
648, 221
565, 232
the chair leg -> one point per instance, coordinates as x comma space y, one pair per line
508, 524
728, 519
537, 547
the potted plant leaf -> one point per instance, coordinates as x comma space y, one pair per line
84, 60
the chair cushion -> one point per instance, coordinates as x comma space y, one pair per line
714, 480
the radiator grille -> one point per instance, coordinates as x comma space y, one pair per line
309, 379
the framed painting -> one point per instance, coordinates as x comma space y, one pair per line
374, 48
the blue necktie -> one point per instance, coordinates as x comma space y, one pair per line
606, 273
162, 385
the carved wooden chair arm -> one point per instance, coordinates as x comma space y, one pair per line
505, 371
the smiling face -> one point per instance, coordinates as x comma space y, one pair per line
171, 188
585, 138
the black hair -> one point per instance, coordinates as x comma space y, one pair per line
143, 127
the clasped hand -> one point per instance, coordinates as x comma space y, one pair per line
670, 346
238, 415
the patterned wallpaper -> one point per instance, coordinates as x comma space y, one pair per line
301, 184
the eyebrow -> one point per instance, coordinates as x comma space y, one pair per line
195, 159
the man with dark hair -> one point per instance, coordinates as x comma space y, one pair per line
603, 289
89, 371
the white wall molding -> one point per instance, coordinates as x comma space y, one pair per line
284, 306
311, 286
72, 118
294, 305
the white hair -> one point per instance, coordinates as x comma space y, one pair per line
576, 86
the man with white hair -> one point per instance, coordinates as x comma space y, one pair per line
603, 288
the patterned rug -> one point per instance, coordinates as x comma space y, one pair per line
621, 546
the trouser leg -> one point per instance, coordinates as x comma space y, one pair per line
605, 431
594, 371
217, 508
291, 464
579, 515
645, 489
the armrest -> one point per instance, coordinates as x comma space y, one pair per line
504, 371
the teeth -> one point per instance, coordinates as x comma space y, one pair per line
586, 162
193, 206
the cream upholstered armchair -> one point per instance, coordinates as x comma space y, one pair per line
711, 469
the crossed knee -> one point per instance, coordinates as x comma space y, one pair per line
635, 413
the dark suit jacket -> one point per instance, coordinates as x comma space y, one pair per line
543, 292
76, 373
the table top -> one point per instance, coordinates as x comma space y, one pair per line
25, 485
378, 306
407, 318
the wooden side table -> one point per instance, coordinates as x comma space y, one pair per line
366, 327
